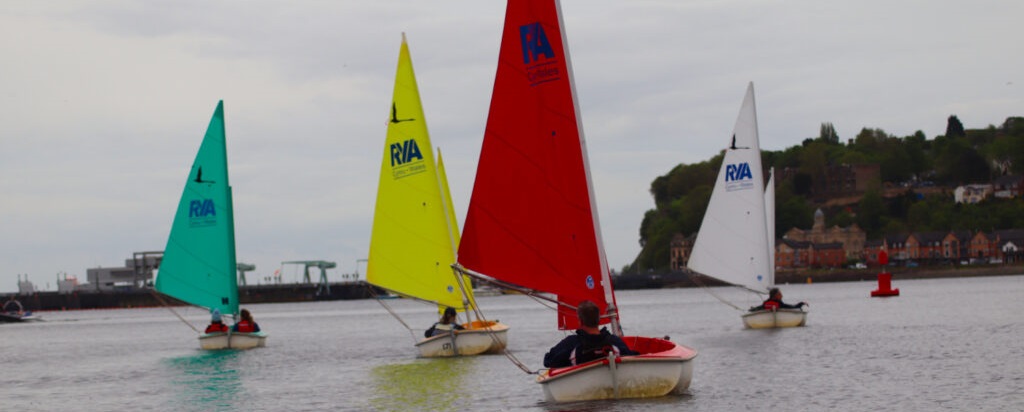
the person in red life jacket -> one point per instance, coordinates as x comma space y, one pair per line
245, 324
774, 302
447, 324
589, 343
216, 325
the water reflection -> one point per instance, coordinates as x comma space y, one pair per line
426, 384
208, 380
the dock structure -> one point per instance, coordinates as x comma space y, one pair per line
130, 286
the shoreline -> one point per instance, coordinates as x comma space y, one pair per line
652, 280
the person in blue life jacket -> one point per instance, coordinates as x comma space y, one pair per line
216, 324
444, 326
589, 343
774, 302
245, 323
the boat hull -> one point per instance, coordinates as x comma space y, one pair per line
663, 367
782, 318
478, 338
222, 340
17, 317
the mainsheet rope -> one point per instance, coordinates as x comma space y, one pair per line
164, 303
696, 279
395, 315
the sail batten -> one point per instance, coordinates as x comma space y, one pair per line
415, 233
532, 219
199, 263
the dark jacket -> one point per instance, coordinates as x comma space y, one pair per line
584, 347
439, 328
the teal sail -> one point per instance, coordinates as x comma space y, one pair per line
198, 266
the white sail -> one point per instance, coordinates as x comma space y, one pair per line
733, 242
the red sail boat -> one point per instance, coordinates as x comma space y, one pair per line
532, 220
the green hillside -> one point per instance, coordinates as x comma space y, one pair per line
926, 169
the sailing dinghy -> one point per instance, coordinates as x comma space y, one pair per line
533, 224
198, 266
415, 232
736, 241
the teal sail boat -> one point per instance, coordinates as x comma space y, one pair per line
198, 265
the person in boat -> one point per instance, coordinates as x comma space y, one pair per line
774, 302
245, 323
444, 326
589, 343
216, 324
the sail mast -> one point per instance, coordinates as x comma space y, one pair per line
769, 210
605, 274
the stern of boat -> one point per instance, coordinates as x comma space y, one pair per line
478, 338
662, 367
782, 318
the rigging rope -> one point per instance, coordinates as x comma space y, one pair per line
388, 308
696, 279
164, 303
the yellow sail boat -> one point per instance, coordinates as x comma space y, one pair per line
415, 232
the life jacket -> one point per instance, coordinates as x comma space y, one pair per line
244, 326
771, 305
592, 347
441, 329
216, 327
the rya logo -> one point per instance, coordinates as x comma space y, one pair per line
535, 43
405, 152
202, 208
738, 172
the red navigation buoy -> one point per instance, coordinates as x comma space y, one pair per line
884, 279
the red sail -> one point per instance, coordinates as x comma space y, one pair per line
532, 220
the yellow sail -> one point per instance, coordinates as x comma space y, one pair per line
412, 245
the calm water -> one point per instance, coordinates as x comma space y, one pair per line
946, 344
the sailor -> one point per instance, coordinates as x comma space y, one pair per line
216, 325
589, 343
447, 324
774, 302
246, 324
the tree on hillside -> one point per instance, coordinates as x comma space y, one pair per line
870, 212
954, 128
828, 134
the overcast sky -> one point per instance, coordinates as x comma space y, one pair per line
103, 105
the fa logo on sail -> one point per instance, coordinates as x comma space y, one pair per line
405, 152
201, 209
737, 172
535, 43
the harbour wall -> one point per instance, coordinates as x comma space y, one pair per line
295, 292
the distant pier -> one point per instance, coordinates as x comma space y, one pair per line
140, 298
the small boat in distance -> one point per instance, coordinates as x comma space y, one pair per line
199, 265
14, 312
533, 224
736, 241
415, 231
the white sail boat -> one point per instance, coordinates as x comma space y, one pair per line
736, 241
199, 265
533, 224
415, 232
